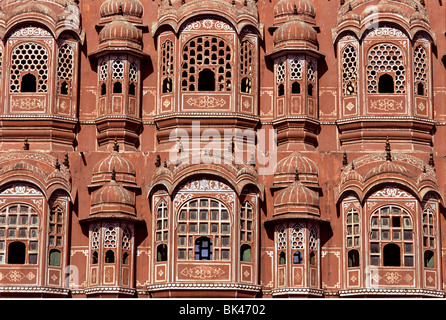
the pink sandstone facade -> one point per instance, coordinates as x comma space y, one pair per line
222, 148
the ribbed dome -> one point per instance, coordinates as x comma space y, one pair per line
120, 29
124, 169
295, 31
285, 9
112, 199
112, 193
296, 199
286, 170
389, 167
121, 7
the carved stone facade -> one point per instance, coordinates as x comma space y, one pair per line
222, 148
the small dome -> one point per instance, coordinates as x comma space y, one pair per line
124, 169
351, 175
388, 167
295, 31
131, 8
112, 193
296, 199
285, 9
384, 7
286, 170
112, 198
120, 29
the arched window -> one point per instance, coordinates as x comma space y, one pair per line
349, 70
28, 83
206, 58
391, 225
65, 68
103, 76
117, 87
125, 258
167, 56
386, 62
54, 259
203, 248
310, 89
109, 256
206, 80
429, 259
29, 68
95, 257
312, 258
353, 258
421, 68
281, 90
297, 257
246, 66
282, 258
19, 223
385, 84
16, 252
162, 231
245, 253
117, 75
161, 252
295, 88
204, 218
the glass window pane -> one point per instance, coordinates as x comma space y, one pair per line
385, 235
193, 214
385, 222
224, 215
33, 258
407, 222
374, 221
214, 214
12, 219
407, 235
224, 254
23, 220
224, 228
181, 254
408, 261
11, 233
22, 233
2, 232
374, 260
203, 215
33, 233
214, 228
203, 227
24, 209
2, 219
396, 210
214, 204
193, 227
203, 203
225, 241
408, 247
34, 220
33, 246
374, 247
396, 235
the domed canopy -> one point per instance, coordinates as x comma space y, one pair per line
123, 168
296, 200
120, 30
295, 33
131, 9
112, 198
286, 171
287, 9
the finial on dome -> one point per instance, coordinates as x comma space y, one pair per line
388, 154
116, 145
113, 175
431, 160
344, 159
57, 164
158, 161
296, 175
26, 144
66, 161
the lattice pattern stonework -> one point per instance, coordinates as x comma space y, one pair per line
420, 67
206, 52
349, 70
386, 58
65, 68
29, 58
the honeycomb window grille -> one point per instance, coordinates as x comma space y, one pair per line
297, 237
19, 223
349, 70
208, 57
167, 67
133, 78
117, 75
386, 59
204, 217
110, 237
246, 66
280, 76
65, 69
296, 65
420, 70
29, 59
103, 76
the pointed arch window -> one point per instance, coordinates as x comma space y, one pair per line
386, 70
65, 69
421, 68
167, 67
246, 66
19, 224
391, 233
207, 65
208, 218
349, 70
29, 68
